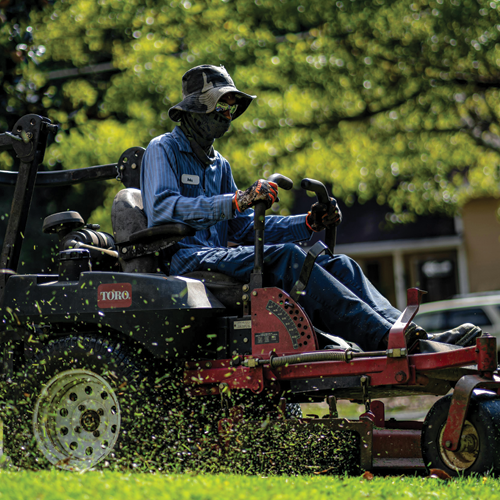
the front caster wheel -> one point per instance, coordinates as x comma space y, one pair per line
479, 448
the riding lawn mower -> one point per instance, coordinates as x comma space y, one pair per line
74, 342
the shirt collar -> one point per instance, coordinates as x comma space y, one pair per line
185, 145
182, 140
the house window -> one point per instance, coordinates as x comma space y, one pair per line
373, 273
438, 278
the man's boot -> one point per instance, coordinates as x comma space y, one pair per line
463, 335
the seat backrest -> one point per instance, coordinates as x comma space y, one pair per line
127, 214
127, 218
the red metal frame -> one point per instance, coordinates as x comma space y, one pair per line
279, 324
280, 328
382, 371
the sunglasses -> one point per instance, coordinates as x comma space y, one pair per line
222, 107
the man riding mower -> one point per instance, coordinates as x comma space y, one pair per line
265, 321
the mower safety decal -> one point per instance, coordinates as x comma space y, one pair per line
267, 338
288, 323
114, 295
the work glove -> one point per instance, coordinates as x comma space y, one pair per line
323, 216
261, 190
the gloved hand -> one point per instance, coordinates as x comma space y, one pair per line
323, 216
261, 190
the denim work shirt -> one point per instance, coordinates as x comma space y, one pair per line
177, 187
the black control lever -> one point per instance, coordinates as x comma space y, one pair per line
282, 181
259, 226
323, 197
260, 207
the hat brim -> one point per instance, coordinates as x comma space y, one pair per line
205, 102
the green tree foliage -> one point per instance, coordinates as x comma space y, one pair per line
23, 77
396, 100
18, 90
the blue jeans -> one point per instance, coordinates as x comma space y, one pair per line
338, 299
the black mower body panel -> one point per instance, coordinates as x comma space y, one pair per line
170, 316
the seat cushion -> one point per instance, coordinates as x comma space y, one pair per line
226, 288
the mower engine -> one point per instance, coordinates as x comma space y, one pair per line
81, 242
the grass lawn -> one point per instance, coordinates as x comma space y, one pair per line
110, 485
60, 485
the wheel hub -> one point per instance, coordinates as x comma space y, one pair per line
90, 421
467, 452
77, 418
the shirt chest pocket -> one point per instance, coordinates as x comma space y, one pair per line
191, 185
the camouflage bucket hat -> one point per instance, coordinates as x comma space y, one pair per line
202, 87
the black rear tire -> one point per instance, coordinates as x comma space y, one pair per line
77, 402
479, 450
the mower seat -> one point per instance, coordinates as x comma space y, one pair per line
139, 246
